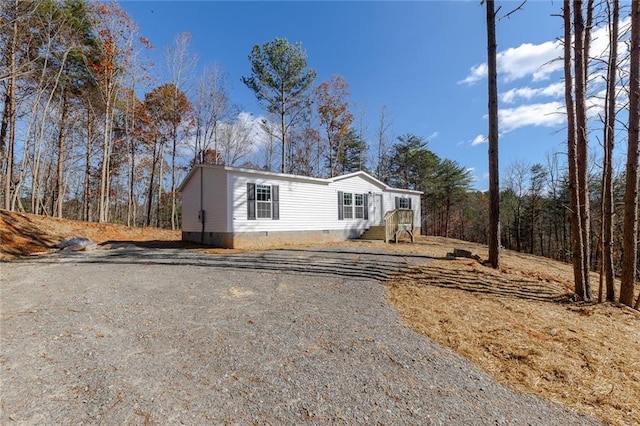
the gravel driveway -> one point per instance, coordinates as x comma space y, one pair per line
137, 335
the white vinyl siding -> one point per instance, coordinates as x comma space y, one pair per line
299, 204
214, 196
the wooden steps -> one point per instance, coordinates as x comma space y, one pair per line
373, 233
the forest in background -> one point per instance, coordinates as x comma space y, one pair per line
89, 133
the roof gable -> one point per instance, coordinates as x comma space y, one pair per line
284, 176
383, 186
365, 176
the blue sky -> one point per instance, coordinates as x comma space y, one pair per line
422, 60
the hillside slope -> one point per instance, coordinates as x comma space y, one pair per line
23, 234
518, 325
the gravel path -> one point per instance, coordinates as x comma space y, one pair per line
146, 336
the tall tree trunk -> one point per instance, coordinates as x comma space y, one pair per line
62, 134
159, 201
574, 202
283, 127
131, 208
150, 192
580, 63
581, 66
630, 230
607, 172
10, 111
447, 207
532, 230
109, 211
36, 176
3, 137
494, 180
106, 151
86, 203
173, 178
518, 227
332, 161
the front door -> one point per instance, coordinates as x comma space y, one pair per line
377, 209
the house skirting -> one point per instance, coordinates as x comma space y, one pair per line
268, 239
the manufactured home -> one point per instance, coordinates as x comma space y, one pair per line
232, 207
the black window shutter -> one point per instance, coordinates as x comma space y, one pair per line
340, 205
409, 203
366, 206
275, 202
397, 202
251, 201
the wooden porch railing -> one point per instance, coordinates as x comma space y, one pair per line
396, 222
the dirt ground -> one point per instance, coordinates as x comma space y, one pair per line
24, 234
516, 324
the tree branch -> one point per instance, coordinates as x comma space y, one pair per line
508, 15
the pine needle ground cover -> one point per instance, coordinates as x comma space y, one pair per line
520, 326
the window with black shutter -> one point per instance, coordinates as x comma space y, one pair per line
275, 202
403, 203
263, 201
251, 201
366, 206
353, 206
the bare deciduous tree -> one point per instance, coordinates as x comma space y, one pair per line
212, 107
384, 144
335, 118
236, 140
630, 231
180, 63
607, 272
117, 33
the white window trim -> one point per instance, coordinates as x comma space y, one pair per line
405, 201
353, 207
358, 207
259, 203
348, 207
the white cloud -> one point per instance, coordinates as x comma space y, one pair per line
535, 60
480, 139
478, 72
550, 114
554, 90
433, 135
255, 129
600, 40
539, 61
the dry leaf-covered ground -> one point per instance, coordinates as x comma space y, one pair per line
23, 234
517, 323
